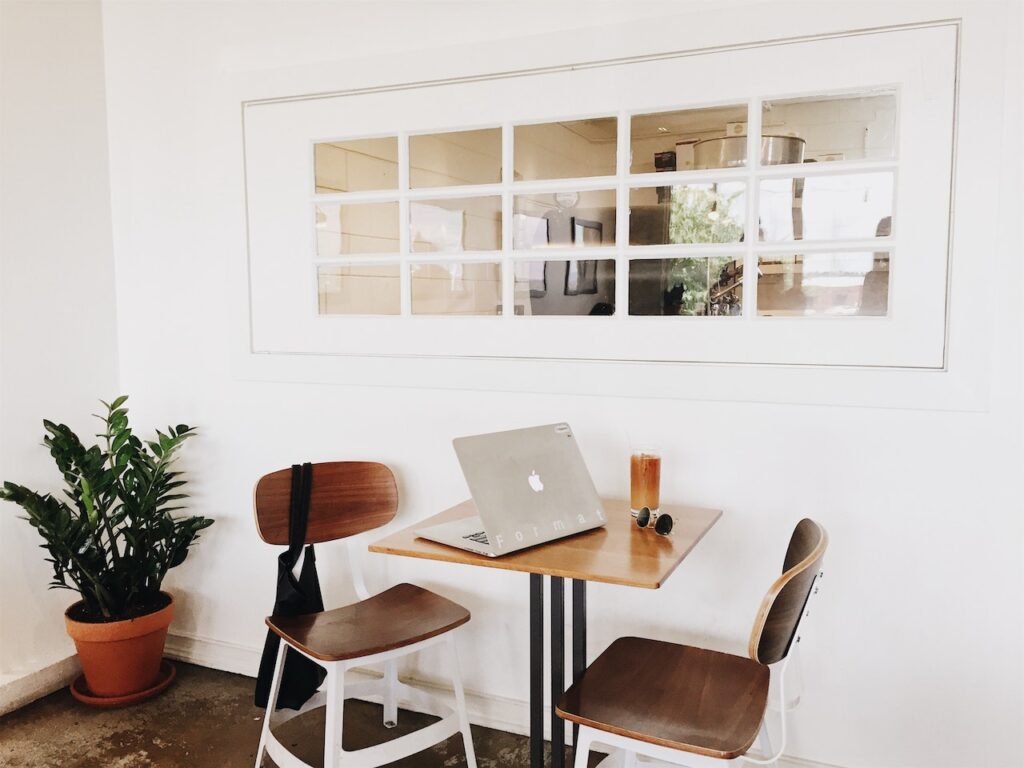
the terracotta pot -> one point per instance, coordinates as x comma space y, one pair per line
121, 657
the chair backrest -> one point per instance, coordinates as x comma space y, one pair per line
346, 498
780, 611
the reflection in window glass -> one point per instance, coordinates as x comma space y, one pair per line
582, 287
707, 286
665, 141
731, 151
565, 150
851, 127
356, 166
562, 219
827, 207
824, 284
456, 289
362, 228
461, 224
359, 289
459, 157
691, 213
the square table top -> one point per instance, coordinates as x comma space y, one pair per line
618, 553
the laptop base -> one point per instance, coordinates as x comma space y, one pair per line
468, 534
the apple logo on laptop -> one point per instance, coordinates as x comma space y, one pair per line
535, 482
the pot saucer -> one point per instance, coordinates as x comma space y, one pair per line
81, 692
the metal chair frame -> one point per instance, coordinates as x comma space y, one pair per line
388, 689
626, 752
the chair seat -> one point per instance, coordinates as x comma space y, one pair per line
676, 696
400, 616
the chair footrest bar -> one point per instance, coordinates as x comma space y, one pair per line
378, 754
403, 746
281, 756
282, 716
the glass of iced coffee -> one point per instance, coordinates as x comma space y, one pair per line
645, 480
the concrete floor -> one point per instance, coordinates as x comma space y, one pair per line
207, 720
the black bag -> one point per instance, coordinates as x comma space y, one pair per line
301, 676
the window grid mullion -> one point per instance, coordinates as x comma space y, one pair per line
830, 168
752, 233
404, 246
684, 250
587, 183
507, 266
622, 165
825, 246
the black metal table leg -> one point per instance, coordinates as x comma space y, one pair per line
557, 669
536, 670
579, 640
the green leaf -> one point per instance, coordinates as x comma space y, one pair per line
114, 538
90, 507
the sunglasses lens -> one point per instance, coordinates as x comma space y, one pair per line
643, 517
663, 525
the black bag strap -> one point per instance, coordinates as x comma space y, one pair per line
298, 513
295, 595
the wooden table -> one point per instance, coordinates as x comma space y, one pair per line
618, 553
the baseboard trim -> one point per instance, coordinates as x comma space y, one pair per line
214, 654
35, 685
499, 712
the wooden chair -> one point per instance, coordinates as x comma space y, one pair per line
349, 498
689, 706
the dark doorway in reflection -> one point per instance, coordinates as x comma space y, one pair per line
710, 286
576, 287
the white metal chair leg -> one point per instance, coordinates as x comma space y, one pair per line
582, 754
275, 687
460, 703
452, 720
390, 694
629, 759
334, 715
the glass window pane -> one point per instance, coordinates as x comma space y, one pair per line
827, 207
456, 289
356, 166
852, 127
562, 219
585, 287
364, 228
824, 284
460, 224
687, 213
667, 141
359, 289
693, 286
565, 150
459, 157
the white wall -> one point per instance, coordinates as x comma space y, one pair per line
915, 655
57, 311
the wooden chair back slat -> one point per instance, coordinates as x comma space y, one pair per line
347, 497
779, 615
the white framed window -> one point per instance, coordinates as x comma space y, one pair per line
733, 206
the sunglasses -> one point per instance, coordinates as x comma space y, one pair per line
662, 524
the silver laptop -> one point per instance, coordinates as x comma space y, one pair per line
529, 486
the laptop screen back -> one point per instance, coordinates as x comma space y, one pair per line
529, 485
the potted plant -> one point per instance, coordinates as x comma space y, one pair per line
113, 539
